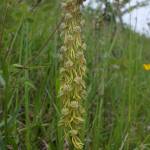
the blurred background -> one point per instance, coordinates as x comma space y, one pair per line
138, 18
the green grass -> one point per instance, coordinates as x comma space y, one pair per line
117, 103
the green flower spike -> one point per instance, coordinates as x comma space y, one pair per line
72, 73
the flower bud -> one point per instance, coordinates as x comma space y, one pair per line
84, 46
63, 26
63, 4
73, 132
82, 22
68, 64
78, 80
63, 49
60, 57
77, 29
74, 104
65, 111
79, 54
68, 16
62, 70
68, 39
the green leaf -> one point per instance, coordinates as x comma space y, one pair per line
2, 82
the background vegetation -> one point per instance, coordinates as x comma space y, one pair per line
117, 104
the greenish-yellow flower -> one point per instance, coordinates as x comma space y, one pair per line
72, 72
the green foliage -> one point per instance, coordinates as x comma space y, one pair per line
117, 102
